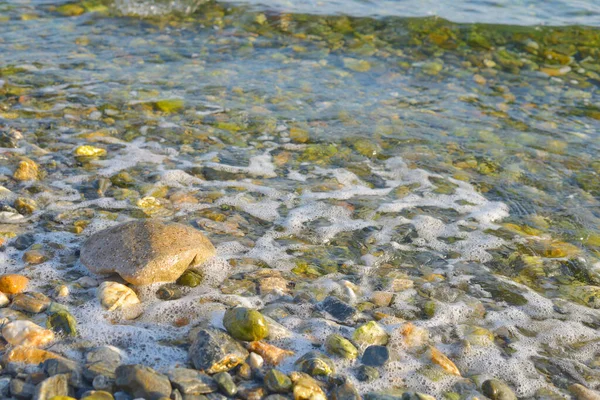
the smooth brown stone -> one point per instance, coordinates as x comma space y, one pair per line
13, 283
145, 252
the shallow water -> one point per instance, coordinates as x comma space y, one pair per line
342, 152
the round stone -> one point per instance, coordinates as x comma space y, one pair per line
376, 356
315, 363
13, 283
245, 324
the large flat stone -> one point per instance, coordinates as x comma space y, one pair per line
145, 252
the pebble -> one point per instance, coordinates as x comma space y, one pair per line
24, 241
277, 382
13, 283
213, 350
103, 360
315, 363
339, 345
28, 355
145, 252
376, 356
337, 308
245, 324
306, 388
255, 361
580, 392
20, 389
98, 395
225, 383
192, 382
27, 170
250, 391
142, 381
57, 385
56, 366
26, 333
33, 302
381, 299
365, 373
370, 333
190, 278
34, 257
4, 300
345, 390
114, 295
497, 390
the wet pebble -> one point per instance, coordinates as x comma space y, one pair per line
192, 382
338, 309
277, 382
13, 283
57, 385
338, 345
245, 324
315, 363
26, 333
213, 350
33, 302
142, 381
375, 356
365, 373
225, 383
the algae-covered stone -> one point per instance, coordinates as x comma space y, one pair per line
365, 373
145, 252
141, 381
370, 333
89, 151
245, 324
337, 344
62, 322
277, 382
315, 363
306, 388
497, 390
225, 383
190, 278
214, 351
27, 170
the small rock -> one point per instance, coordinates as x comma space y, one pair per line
98, 395
62, 322
337, 344
103, 360
345, 390
250, 391
364, 373
382, 299
272, 284
370, 333
579, 391
103, 384
306, 388
26, 333
190, 278
439, 358
376, 356
4, 300
62, 291
277, 382
114, 296
169, 292
271, 354
28, 355
13, 283
27, 170
495, 389
21, 390
244, 371
57, 385
337, 308
25, 206
245, 324
315, 363
255, 361
24, 241
145, 252
214, 351
141, 381
34, 257
57, 366
192, 382
33, 302
226, 383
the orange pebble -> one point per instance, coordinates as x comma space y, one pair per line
13, 283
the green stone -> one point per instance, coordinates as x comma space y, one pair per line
62, 322
190, 278
277, 382
225, 383
497, 390
370, 333
245, 324
337, 344
315, 363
